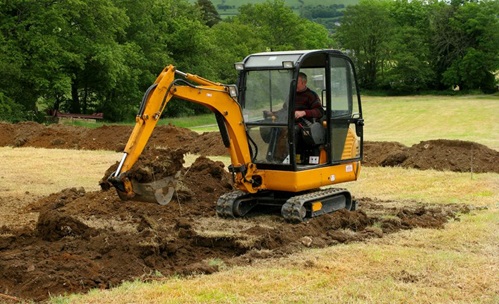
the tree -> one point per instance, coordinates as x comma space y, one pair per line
169, 32
144, 50
9, 110
88, 41
60, 46
408, 68
26, 59
281, 28
365, 32
232, 42
466, 44
210, 13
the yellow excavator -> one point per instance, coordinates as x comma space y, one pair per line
276, 161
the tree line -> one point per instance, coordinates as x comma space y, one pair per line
86, 56
408, 46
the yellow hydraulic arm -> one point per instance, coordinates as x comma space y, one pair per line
219, 98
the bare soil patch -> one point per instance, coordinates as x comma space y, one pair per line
83, 240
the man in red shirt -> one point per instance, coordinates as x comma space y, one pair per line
307, 102
307, 106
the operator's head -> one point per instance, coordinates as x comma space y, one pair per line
301, 85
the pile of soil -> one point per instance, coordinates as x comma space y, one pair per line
439, 154
451, 155
87, 240
84, 240
107, 137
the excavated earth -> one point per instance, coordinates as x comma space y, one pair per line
85, 240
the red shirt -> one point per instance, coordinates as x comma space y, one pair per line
309, 102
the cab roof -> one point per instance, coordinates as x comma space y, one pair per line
302, 58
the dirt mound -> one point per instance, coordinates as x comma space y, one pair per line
440, 154
375, 152
85, 240
82, 240
453, 155
107, 137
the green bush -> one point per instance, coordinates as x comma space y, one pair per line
9, 110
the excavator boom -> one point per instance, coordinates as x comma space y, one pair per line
217, 97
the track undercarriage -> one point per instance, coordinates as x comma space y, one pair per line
294, 207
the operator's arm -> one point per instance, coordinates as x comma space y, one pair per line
308, 104
279, 115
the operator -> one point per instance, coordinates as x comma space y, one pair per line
307, 106
307, 102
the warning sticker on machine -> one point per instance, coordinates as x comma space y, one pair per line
313, 159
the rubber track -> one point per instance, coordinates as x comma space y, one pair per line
292, 209
225, 203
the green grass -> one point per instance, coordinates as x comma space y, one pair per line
433, 187
412, 119
202, 123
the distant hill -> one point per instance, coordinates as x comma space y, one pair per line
325, 12
229, 7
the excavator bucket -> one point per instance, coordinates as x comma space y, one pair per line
154, 178
160, 191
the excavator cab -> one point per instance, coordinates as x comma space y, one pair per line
277, 162
267, 84
295, 158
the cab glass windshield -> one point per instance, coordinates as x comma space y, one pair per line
266, 91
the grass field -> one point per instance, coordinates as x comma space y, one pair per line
412, 119
457, 264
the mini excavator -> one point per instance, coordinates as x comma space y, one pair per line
276, 162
